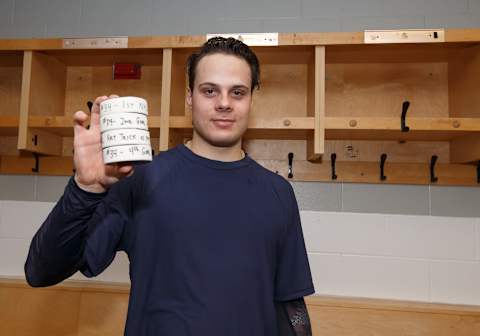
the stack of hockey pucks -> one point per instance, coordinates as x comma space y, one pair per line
124, 128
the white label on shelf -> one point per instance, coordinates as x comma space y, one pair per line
252, 39
113, 121
95, 43
127, 153
125, 137
405, 36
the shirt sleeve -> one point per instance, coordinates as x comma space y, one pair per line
293, 276
83, 232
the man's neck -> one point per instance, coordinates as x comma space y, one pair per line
226, 154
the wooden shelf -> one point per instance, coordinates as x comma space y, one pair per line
8, 125
63, 126
421, 129
294, 128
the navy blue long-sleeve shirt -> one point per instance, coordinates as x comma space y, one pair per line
211, 244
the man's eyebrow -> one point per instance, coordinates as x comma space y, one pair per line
207, 84
236, 86
240, 86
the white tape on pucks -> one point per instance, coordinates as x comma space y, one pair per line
113, 121
120, 137
127, 153
124, 104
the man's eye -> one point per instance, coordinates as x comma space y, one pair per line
238, 93
209, 92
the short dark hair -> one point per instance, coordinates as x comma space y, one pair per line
228, 46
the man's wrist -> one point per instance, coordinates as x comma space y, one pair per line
96, 188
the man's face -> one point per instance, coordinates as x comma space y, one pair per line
221, 99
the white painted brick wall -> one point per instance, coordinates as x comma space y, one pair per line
420, 258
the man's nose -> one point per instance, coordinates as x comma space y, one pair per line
223, 102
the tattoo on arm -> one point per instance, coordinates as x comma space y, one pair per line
296, 314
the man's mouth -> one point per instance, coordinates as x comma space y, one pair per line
223, 123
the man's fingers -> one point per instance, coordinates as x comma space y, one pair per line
119, 170
79, 120
125, 169
95, 116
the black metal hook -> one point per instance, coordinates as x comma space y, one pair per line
90, 105
405, 106
36, 169
290, 164
433, 160
383, 158
333, 158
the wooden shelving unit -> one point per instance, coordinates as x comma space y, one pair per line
334, 100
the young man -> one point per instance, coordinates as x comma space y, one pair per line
214, 239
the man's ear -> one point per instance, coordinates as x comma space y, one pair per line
188, 98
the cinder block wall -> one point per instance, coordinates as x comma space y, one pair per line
61, 18
385, 241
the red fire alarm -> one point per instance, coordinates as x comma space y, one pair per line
127, 71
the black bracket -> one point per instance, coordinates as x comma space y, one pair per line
36, 169
405, 106
383, 158
290, 163
35, 140
478, 172
433, 160
333, 159
90, 105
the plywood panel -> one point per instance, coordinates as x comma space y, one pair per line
29, 311
369, 322
102, 314
348, 150
85, 83
371, 317
370, 151
284, 55
379, 89
10, 84
47, 86
8, 145
9, 125
391, 53
94, 308
48, 165
283, 91
466, 149
464, 80
369, 172
96, 57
